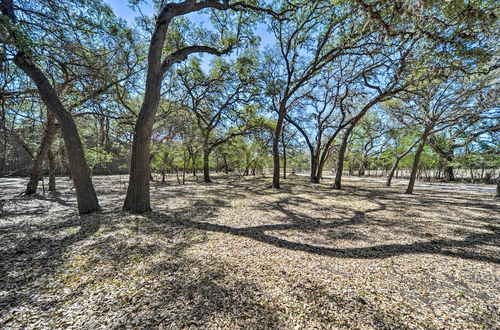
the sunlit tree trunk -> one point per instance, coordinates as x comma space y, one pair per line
340, 161
138, 199
416, 161
37, 169
283, 144
276, 142
396, 163
85, 193
52, 168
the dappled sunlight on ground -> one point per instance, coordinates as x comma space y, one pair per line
238, 253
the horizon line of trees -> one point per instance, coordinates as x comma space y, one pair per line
346, 84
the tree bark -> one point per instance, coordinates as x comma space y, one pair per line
184, 165
416, 161
498, 187
321, 164
284, 153
319, 176
37, 169
85, 193
396, 163
138, 199
226, 168
276, 142
362, 167
314, 169
52, 168
206, 164
449, 172
392, 171
340, 161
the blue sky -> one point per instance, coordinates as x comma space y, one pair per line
122, 9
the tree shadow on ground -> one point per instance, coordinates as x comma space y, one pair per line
193, 293
459, 248
34, 254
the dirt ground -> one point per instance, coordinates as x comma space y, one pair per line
238, 254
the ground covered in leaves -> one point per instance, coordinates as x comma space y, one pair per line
236, 253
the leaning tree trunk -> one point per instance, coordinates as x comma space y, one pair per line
498, 187
52, 169
138, 198
85, 193
396, 163
392, 171
321, 165
416, 161
340, 161
37, 169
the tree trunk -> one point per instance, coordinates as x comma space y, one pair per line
184, 165
416, 161
192, 157
396, 163
85, 193
284, 153
37, 169
362, 167
391, 173
206, 164
177, 174
226, 168
498, 187
314, 169
449, 172
340, 161
138, 198
321, 165
319, 176
52, 168
276, 141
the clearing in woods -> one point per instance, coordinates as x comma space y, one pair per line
238, 253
